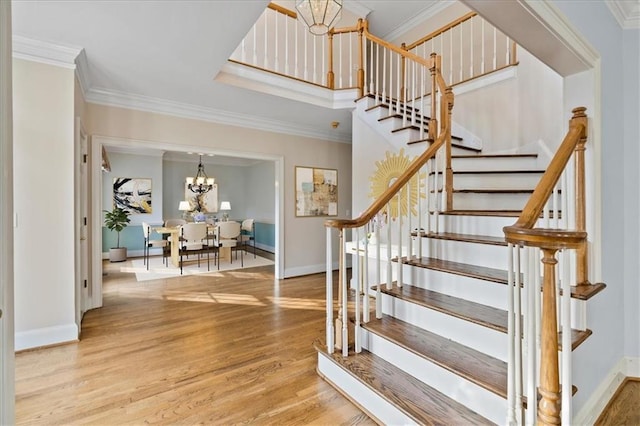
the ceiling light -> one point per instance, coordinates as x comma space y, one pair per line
319, 15
201, 183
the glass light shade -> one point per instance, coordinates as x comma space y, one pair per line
200, 180
184, 206
210, 181
190, 181
225, 205
319, 15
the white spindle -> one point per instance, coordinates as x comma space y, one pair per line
401, 78
461, 60
315, 59
306, 53
507, 50
409, 237
517, 324
384, 77
324, 63
265, 62
422, 96
451, 56
389, 265
365, 275
351, 57
399, 265
566, 340
254, 46
378, 268
413, 91
295, 51
243, 53
377, 73
276, 42
482, 46
345, 302
511, 382
355, 266
286, 45
329, 284
419, 219
340, 62
495, 48
471, 39
530, 335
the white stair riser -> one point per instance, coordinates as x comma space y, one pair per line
487, 255
485, 201
496, 181
476, 398
478, 337
496, 163
479, 291
375, 405
481, 225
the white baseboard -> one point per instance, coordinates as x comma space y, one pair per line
46, 336
626, 367
137, 253
307, 270
264, 247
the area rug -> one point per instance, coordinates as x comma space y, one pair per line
157, 270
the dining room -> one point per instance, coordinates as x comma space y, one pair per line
152, 186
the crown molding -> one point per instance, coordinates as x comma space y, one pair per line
45, 52
426, 13
82, 73
627, 13
177, 109
148, 152
356, 8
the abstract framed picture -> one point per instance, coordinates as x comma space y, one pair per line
132, 194
316, 191
205, 203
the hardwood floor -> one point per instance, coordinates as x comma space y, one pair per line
226, 348
624, 407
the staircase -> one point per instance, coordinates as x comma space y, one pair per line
438, 351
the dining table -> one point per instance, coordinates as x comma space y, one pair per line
174, 233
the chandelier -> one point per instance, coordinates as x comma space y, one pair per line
201, 183
319, 15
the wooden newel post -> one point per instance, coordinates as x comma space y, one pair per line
549, 406
330, 75
580, 119
449, 104
433, 122
361, 59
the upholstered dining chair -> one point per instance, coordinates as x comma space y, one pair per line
248, 235
193, 238
149, 243
227, 235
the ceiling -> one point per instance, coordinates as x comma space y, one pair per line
163, 56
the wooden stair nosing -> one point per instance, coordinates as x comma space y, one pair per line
477, 367
468, 238
580, 292
414, 398
496, 172
413, 127
489, 213
486, 316
496, 156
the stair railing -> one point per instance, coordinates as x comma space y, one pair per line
385, 232
536, 341
473, 48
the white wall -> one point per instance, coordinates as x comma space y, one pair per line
606, 317
44, 236
303, 247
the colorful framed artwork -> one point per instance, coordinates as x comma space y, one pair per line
316, 191
132, 194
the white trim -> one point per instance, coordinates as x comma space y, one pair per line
178, 109
82, 73
356, 8
426, 13
46, 336
628, 16
486, 80
45, 52
626, 367
308, 269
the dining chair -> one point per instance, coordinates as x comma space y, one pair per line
193, 238
149, 243
248, 235
227, 235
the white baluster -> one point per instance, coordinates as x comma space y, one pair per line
419, 225
329, 284
276, 43
461, 61
413, 91
409, 238
265, 62
511, 350
495, 48
376, 228
400, 263
315, 59
471, 48
351, 68
384, 78
295, 51
286, 45
345, 293
325, 82
451, 56
365, 276
340, 70
306, 55
566, 341
389, 265
400, 101
255, 45
377, 72
530, 335
517, 324
355, 266
482, 46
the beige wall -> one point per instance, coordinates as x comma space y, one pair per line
304, 238
44, 236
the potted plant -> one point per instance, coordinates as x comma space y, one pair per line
116, 220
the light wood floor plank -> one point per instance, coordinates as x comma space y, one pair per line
225, 348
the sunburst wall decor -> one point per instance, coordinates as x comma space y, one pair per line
387, 171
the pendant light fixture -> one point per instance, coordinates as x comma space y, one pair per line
201, 183
319, 15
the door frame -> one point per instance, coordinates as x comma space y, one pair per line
82, 281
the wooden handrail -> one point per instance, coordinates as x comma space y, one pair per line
441, 30
283, 10
393, 190
533, 208
426, 62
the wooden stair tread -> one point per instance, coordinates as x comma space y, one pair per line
487, 316
581, 292
497, 172
498, 213
492, 191
477, 367
421, 402
469, 238
496, 156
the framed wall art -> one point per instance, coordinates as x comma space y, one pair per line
132, 194
316, 191
205, 203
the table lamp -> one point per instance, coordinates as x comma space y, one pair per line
225, 206
184, 207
